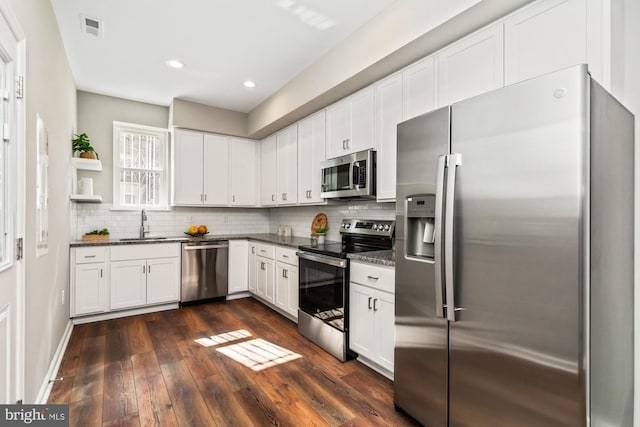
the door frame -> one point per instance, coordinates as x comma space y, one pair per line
19, 110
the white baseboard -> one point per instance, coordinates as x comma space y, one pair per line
47, 384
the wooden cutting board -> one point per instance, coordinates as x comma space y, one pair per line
319, 221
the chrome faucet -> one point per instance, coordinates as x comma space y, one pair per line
143, 226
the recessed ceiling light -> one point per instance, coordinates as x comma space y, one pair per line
174, 63
249, 83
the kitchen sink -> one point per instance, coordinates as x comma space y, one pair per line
141, 239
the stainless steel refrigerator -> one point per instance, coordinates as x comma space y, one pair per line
514, 264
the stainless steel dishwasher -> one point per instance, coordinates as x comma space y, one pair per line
205, 268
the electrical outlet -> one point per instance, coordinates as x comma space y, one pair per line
62, 296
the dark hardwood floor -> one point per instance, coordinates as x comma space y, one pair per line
150, 370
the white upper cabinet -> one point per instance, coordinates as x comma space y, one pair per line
216, 170
311, 146
471, 66
268, 173
543, 37
287, 165
418, 88
213, 170
388, 115
244, 172
187, 168
350, 124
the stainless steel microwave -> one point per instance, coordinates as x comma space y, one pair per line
353, 175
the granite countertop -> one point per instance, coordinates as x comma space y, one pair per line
290, 241
386, 258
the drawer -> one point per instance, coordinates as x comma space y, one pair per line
375, 276
90, 254
267, 251
145, 251
287, 255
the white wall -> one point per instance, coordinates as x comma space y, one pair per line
96, 114
50, 92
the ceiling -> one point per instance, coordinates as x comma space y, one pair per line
222, 43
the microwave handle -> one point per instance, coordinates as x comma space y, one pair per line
355, 173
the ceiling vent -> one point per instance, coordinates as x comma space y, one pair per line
92, 26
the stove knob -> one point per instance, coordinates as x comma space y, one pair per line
347, 225
386, 227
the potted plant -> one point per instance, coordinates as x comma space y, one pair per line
81, 144
96, 235
321, 232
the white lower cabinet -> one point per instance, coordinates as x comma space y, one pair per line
113, 278
142, 275
89, 280
287, 281
273, 277
372, 316
265, 283
238, 266
253, 268
128, 284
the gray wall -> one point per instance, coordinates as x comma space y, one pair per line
50, 92
96, 114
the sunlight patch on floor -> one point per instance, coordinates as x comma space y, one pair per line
223, 338
258, 354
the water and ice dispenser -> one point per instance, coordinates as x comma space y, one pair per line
421, 212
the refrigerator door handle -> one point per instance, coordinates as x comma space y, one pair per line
453, 161
437, 243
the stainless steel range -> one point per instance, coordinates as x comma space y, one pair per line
323, 302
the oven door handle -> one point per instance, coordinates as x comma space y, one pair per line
322, 259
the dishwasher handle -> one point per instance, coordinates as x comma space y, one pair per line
205, 247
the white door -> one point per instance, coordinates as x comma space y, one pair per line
287, 166
11, 215
128, 284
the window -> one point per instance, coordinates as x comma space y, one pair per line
140, 156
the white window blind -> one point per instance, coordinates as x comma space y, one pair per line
139, 167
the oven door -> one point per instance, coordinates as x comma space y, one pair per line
323, 287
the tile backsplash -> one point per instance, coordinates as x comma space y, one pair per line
123, 224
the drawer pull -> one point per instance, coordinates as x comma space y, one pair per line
285, 256
89, 256
372, 277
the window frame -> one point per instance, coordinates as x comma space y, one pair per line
163, 134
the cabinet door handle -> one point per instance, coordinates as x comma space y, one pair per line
253, 249
348, 141
205, 197
273, 197
201, 197
262, 266
100, 273
375, 304
369, 303
285, 273
148, 269
372, 277
234, 197
284, 196
144, 269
